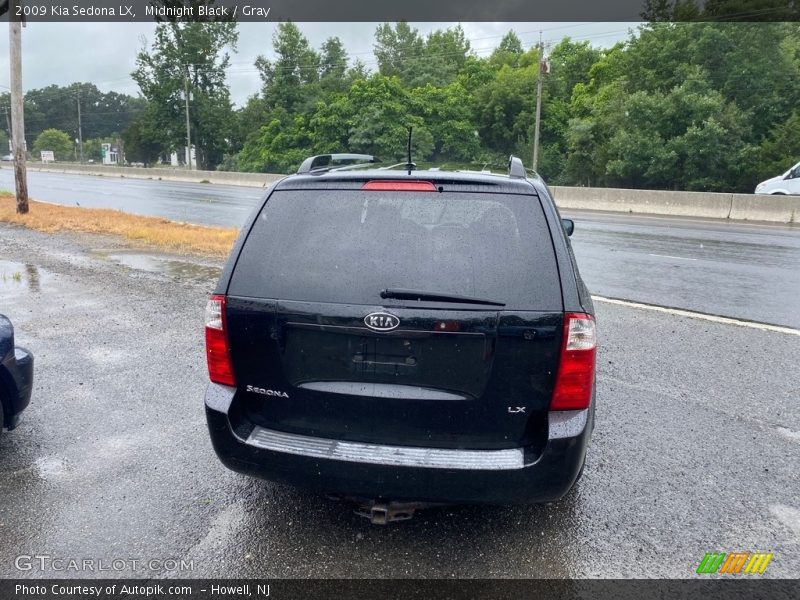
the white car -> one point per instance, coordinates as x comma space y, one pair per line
788, 183
8, 158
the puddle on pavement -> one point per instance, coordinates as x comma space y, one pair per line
19, 278
165, 265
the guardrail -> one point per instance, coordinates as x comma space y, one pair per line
750, 207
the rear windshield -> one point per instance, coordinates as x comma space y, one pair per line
345, 246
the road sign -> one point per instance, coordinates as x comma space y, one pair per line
48, 156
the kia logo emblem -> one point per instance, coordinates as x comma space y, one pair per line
381, 321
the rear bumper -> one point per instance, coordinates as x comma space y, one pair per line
403, 473
19, 383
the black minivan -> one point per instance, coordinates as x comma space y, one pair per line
404, 336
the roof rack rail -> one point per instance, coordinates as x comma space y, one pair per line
515, 168
325, 162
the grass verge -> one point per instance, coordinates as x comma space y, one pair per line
149, 231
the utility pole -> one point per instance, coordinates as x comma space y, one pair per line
539, 81
80, 128
17, 110
188, 125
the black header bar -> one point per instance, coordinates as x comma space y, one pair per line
67, 11
705, 587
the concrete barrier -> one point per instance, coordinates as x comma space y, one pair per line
182, 175
750, 207
775, 208
690, 204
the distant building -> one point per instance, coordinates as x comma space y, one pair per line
175, 162
110, 154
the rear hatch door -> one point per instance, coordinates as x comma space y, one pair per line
469, 363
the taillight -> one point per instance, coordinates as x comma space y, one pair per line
575, 379
218, 353
399, 186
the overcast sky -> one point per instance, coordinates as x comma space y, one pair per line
104, 53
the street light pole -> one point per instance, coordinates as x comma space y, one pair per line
539, 78
80, 129
17, 109
188, 125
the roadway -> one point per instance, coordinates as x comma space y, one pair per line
742, 270
205, 204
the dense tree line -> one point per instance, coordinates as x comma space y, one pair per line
679, 105
104, 116
696, 106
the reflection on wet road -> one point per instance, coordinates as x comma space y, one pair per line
17, 280
169, 265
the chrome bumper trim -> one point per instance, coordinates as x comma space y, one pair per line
402, 456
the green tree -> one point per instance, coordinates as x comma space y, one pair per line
143, 143
570, 65
274, 124
93, 150
508, 52
290, 81
279, 146
399, 51
372, 117
56, 107
333, 66
445, 113
779, 150
505, 109
443, 57
754, 64
55, 141
197, 52
679, 105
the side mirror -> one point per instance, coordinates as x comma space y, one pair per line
569, 226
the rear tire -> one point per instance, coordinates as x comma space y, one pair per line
2, 415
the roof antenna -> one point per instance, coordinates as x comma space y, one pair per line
410, 165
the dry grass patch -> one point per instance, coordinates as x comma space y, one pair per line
150, 231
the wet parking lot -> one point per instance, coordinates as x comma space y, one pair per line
695, 450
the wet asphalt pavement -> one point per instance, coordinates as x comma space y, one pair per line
695, 450
200, 203
735, 269
748, 271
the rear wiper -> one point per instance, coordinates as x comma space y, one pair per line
434, 297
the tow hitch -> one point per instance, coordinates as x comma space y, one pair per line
383, 513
